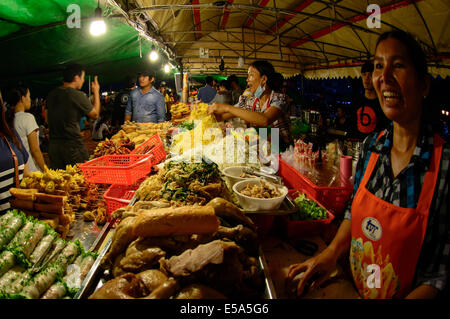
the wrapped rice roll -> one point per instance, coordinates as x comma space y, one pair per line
7, 260
33, 240
5, 218
86, 265
56, 291
57, 246
11, 275
21, 280
42, 248
69, 253
41, 282
22, 235
9, 230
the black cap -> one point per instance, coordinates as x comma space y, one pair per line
148, 73
367, 67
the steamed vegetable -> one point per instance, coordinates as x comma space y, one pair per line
308, 209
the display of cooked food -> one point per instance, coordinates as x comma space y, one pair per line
138, 133
260, 190
181, 183
179, 111
36, 263
54, 196
188, 252
109, 147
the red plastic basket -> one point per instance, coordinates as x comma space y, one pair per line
333, 199
117, 169
295, 229
118, 196
153, 146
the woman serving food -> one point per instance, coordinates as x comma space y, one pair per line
397, 228
265, 106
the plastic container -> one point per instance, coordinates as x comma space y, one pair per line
118, 196
232, 174
258, 204
117, 169
295, 229
153, 146
333, 199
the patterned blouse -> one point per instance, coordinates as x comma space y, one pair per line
277, 100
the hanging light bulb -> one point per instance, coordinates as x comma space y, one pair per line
98, 26
167, 68
154, 54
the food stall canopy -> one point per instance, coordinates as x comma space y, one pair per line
318, 39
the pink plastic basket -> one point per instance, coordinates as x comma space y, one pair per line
295, 229
118, 196
117, 169
153, 146
333, 199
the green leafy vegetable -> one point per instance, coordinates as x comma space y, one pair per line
308, 209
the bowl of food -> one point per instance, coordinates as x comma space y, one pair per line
259, 195
234, 174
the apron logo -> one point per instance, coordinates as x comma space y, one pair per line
371, 228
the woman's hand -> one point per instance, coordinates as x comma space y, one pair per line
316, 269
217, 108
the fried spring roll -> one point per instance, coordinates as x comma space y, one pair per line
42, 248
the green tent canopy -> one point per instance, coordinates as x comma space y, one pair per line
36, 44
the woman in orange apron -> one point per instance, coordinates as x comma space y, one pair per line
389, 244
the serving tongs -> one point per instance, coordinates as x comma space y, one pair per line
271, 178
37, 267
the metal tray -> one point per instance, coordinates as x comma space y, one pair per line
96, 276
286, 207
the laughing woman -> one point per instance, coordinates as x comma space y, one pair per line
398, 224
265, 106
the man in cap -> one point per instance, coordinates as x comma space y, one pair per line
146, 104
369, 116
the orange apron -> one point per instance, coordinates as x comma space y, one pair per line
387, 239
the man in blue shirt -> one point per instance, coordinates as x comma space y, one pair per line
207, 93
146, 104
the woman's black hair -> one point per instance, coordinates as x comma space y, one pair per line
264, 68
415, 50
13, 97
5, 129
